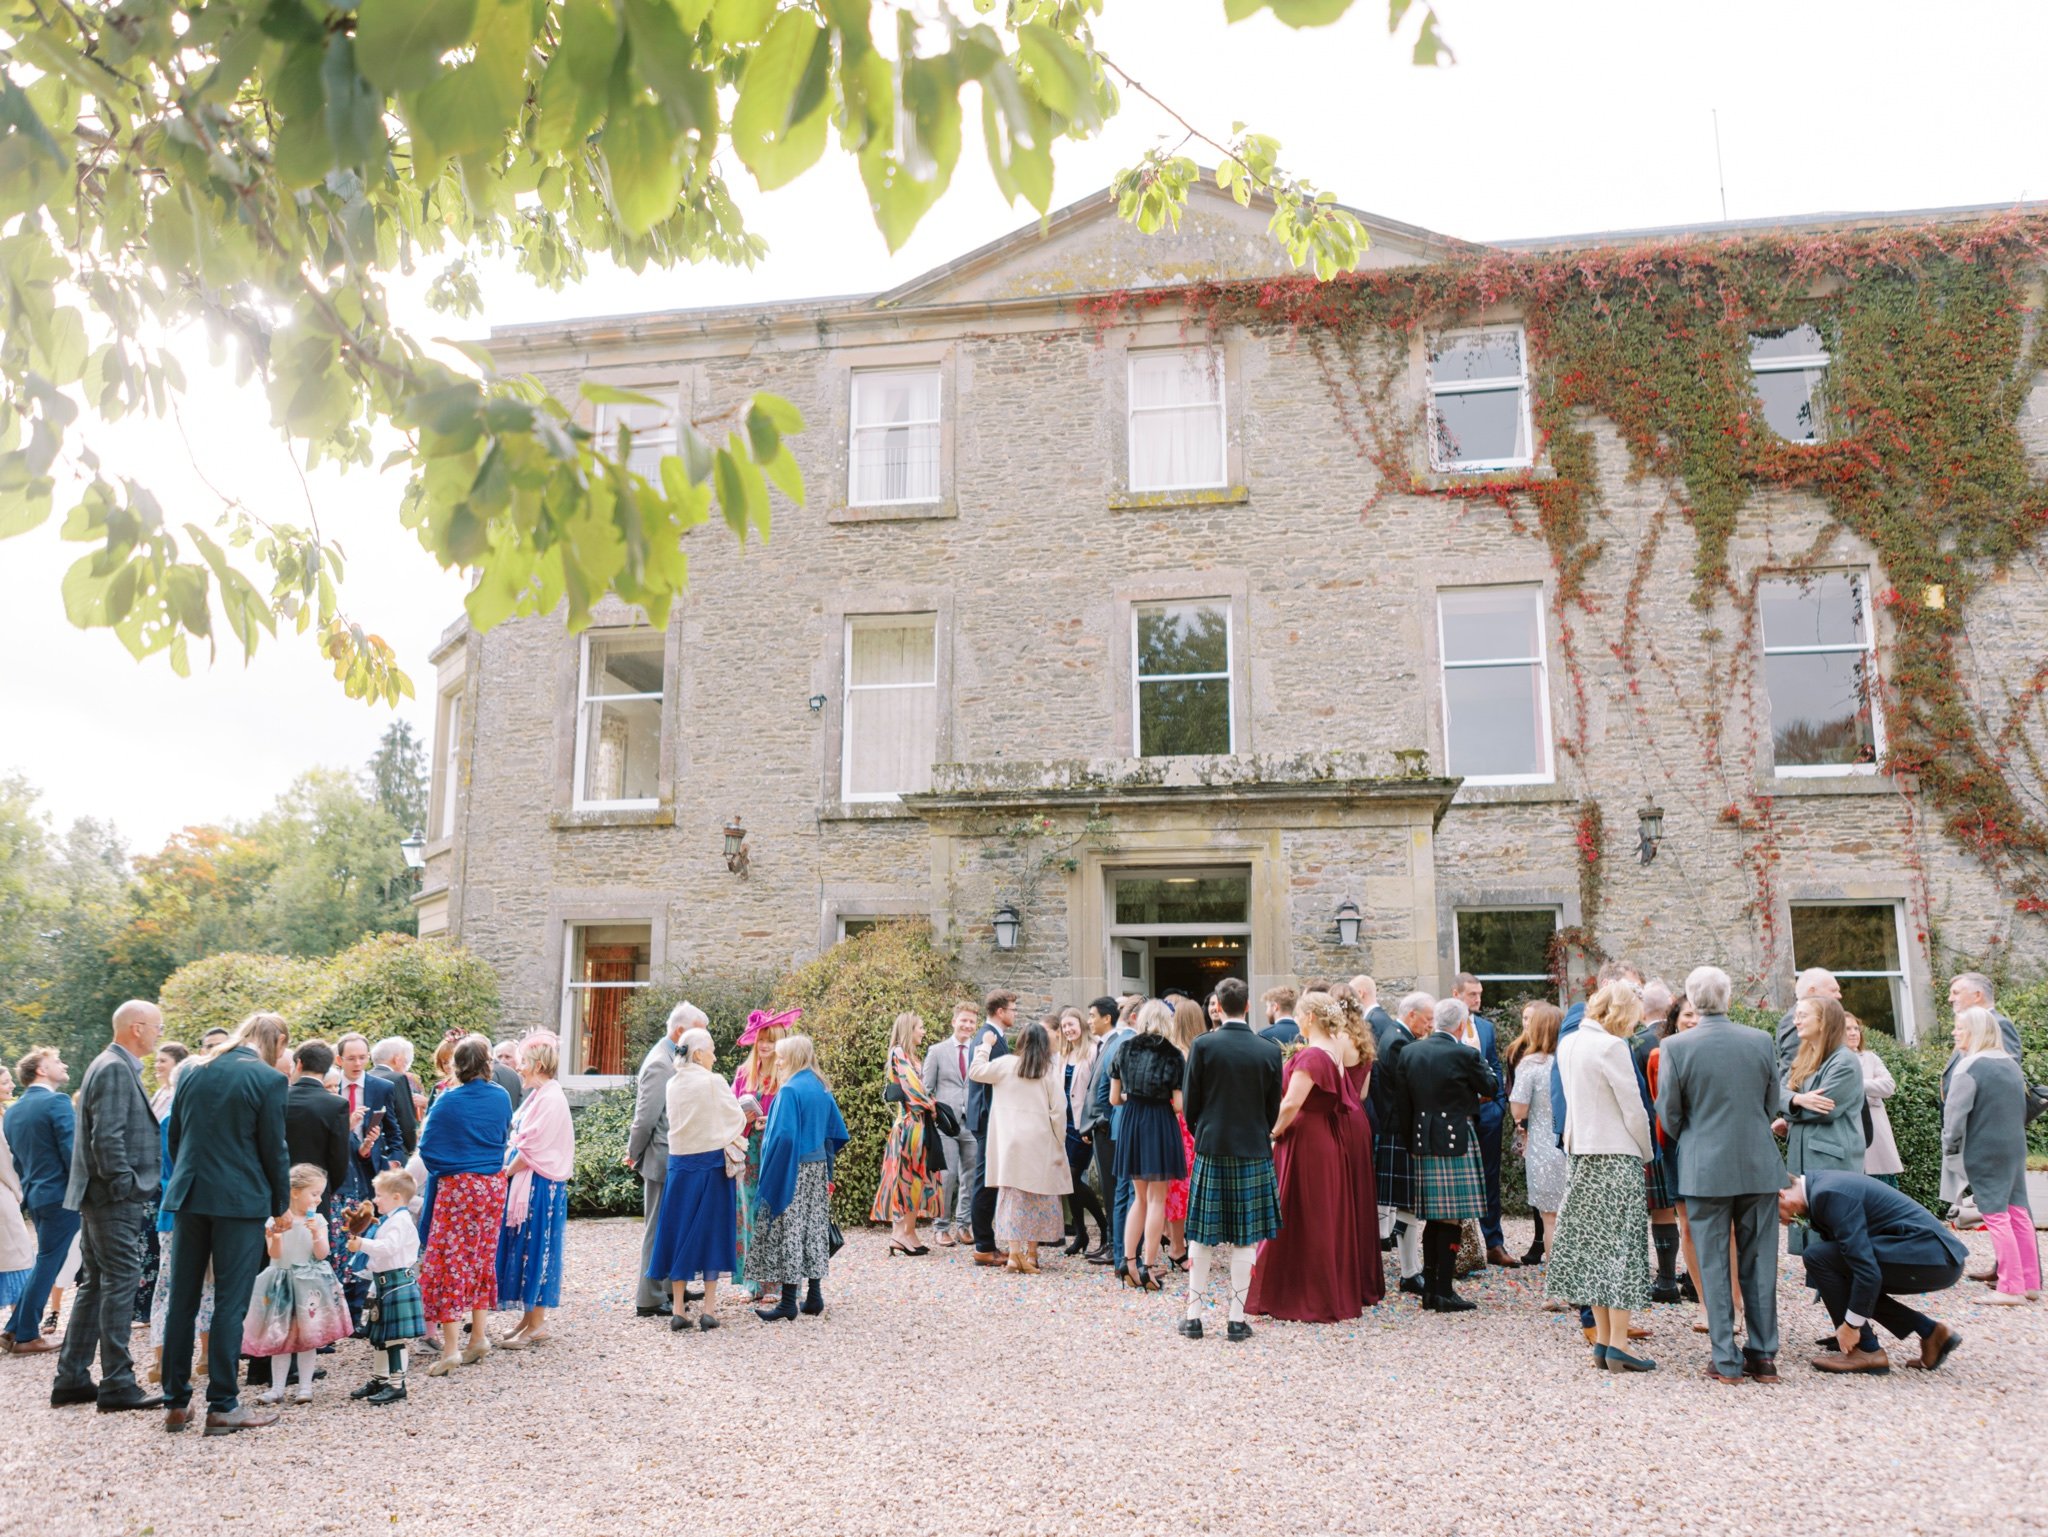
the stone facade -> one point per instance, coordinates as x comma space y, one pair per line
1032, 557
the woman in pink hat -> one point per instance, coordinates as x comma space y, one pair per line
755, 1085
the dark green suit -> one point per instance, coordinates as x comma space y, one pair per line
229, 1173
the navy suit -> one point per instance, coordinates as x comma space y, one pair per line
1492, 1115
41, 1126
384, 1151
1869, 1243
1281, 1031
983, 1201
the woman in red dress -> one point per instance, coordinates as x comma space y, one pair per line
1354, 1053
1188, 1022
1310, 1272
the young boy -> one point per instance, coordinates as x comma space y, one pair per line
389, 1250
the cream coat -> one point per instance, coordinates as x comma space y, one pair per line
1026, 1146
1882, 1156
703, 1114
1603, 1106
17, 1244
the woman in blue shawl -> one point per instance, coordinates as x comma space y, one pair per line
793, 1220
462, 1144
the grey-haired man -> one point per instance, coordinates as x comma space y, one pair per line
647, 1145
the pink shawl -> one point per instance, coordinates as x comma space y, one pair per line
544, 1134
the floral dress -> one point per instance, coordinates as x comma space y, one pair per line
907, 1189
750, 1185
1542, 1160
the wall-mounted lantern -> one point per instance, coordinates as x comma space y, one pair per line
415, 850
736, 847
1006, 926
1347, 924
1649, 830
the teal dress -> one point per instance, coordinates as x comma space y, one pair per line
750, 1184
1831, 1141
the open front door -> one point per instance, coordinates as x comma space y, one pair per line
1133, 970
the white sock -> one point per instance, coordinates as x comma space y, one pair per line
304, 1361
1241, 1257
1408, 1244
1198, 1277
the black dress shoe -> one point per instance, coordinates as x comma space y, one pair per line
1238, 1332
666, 1310
678, 1323
133, 1401
1451, 1302
374, 1385
60, 1397
690, 1295
390, 1393
706, 1323
1191, 1328
1412, 1285
1100, 1256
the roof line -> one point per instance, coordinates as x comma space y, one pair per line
1948, 215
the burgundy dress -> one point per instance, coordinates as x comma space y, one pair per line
1356, 1131
1310, 1272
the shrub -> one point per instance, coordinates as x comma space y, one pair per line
223, 990
851, 996
601, 1186
393, 984
727, 997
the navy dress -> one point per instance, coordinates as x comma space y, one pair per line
1148, 1143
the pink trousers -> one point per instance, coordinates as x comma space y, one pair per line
2012, 1240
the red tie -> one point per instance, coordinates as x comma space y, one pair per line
963, 1059
353, 1091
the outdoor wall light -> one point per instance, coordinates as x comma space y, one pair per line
1347, 924
1934, 595
1006, 926
415, 850
817, 703
1649, 830
736, 847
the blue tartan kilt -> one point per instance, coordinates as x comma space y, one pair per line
1657, 1186
1450, 1189
396, 1313
1395, 1176
1233, 1200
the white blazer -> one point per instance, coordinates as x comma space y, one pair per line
1603, 1106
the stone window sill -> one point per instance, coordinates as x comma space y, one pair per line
866, 811
1453, 480
903, 512
649, 816
1799, 786
1512, 795
1156, 501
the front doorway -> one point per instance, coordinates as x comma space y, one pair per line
1179, 929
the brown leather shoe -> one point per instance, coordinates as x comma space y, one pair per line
1987, 1275
6, 1342
177, 1418
1875, 1362
1638, 1332
242, 1418
35, 1347
1762, 1369
1712, 1375
1935, 1349
989, 1259
1501, 1259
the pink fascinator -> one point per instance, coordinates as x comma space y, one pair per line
761, 1020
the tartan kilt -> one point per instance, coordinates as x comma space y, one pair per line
1450, 1189
1232, 1200
1394, 1174
396, 1313
1657, 1186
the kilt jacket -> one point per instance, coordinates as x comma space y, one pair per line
1443, 1085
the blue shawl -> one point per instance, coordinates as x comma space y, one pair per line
465, 1131
804, 1126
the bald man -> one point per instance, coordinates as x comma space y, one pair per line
115, 1161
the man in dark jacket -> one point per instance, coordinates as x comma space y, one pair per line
229, 1172
115, 1164
316, 1118
1873, 1245
1230, 1102
1392, 1167
40, 1129
999, 1019
1444, 1083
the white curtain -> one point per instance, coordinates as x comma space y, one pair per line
892, 703
895, 438
1176, 420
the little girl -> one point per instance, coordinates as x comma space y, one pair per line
388, 1251
297, 1305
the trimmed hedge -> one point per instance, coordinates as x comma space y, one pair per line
601, 1186
727, 999
223, 990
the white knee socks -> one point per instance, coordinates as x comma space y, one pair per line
1198, 1276
1408, 1244
304, 1361
1241, 1257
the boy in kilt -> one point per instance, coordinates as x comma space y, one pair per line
388, 1251
1444, 1083
1230, 1101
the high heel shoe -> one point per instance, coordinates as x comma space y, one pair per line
1078, 1246
905, 1250
1177, 1261
1147, 1281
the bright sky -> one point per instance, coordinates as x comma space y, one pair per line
1561, 116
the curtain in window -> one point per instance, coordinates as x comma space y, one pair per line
896, 438
891, 709
1176, 421
604, 1008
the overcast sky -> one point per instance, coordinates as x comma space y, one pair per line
1558, 118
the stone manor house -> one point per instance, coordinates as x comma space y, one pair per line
1094, 646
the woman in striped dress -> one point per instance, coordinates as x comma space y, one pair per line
907, 1190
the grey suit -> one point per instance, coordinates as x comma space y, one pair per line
116, 1161
647, 1147
1717, 1094
944, 1081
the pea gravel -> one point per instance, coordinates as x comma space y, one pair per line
937, 1398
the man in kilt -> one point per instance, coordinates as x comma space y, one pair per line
1230, 1100
1390, 1119
1444, 1084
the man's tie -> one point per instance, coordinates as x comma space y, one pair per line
354, 1090
963, 1061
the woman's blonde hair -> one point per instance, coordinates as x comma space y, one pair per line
308, 1176
1615, 1008
1816, 1049
1319, 1012
762, 1072
1980, 1030
794, 1054
1188, 1022
1075, 1050
1352, 1022
1155, 1018
903, 1034
541, 1053
1539, 1032
264, 1034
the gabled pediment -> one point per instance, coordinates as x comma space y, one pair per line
1085, 248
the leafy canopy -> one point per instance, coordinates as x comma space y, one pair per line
259, 168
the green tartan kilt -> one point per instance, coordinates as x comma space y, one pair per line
1233, 1200
1450, 1189
395, 1313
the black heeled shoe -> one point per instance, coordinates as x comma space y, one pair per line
1078, 1246
814, 1300
786, 1308
1147, 1281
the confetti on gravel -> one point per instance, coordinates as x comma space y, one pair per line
934, 1397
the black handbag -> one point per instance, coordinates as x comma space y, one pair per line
893, 1094
945, 1120
834, 1239
934, 1147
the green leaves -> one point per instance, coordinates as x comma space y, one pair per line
572, 91
778, 126
401, 41
645, 174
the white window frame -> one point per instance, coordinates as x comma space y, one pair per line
659, 438
1140, 679
847, 689
584, 700
1541, 661
1797, 362
1487, 978
448, 763
855, 427
1132, 410
1517, 382
1868, 647
1909, 1031
570, 1029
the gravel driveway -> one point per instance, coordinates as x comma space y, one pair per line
934, 1397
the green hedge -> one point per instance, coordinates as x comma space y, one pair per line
601, 1185
220, 991
726, 998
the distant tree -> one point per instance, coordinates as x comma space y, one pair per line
28, 908
398, 774
338, 874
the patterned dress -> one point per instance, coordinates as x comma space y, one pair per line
296, 1304
796, 1245
1600, 1256
529, 1259
907, 1189
750, 1184
459, 1270
1542, 1160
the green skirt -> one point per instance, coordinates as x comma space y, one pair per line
1600, 1256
